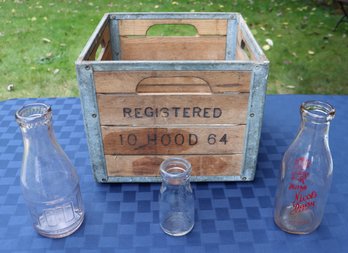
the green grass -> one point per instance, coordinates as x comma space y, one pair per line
40, 41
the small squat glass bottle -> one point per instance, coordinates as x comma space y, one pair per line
306, 172
49, 182
176, 200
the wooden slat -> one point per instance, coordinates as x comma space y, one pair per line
103, 41
169, 48
151, 110
204, 27
243, 53
127, 81
202, 165
173, 140
107, 56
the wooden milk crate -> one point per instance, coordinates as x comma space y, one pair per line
146, 98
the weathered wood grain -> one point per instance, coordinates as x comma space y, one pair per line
169, 48
128, 81
174, 109
203, 26
202, 165
173, 140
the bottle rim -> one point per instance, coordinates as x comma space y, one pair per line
182, 168
33, 113
318, 110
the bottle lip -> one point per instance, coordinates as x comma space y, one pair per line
176, 162
30, 114
318, 110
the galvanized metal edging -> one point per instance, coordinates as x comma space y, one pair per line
107, 66
250, 39
93, 39
174, 15
115, 39
231, 39
254, 122
91, 120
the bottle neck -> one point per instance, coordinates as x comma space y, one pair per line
315, 120
36, 126
175, 171
310, 125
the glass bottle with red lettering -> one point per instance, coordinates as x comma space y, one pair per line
306, 172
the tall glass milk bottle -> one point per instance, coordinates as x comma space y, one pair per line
306, 172
49, 182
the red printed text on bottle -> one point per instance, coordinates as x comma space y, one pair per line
303, 199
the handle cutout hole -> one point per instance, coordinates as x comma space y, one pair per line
172, 30
173, 84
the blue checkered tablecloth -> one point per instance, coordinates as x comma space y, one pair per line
230, 216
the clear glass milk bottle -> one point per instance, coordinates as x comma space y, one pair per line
176, 200
306, 172
49, 181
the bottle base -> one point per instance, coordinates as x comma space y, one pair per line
61, 230
178, 224
300, 223
294, 232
